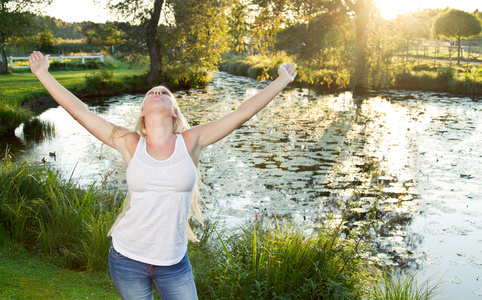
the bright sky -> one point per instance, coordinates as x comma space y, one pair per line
78, 10
86, 10
391, 8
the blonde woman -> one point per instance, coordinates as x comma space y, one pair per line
149, 239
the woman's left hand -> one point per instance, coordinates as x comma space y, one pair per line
288, 71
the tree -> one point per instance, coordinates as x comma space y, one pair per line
184, 30
147, 14
239, 26
456, 24
362, 10
102, 35
16, 19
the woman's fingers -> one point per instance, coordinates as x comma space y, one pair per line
290, 70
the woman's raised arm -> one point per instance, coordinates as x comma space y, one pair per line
209, 133
95, 124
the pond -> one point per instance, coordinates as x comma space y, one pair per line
414, 158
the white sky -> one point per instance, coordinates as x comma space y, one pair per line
391, 8
78, 10
86, 10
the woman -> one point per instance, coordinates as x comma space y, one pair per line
149, 240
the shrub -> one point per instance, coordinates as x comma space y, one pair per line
76, 66
101, 83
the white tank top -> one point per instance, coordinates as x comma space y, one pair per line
153, 230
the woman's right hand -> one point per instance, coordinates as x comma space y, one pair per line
38, 62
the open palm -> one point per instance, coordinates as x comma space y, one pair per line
38, 62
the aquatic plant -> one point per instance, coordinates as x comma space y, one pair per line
11, 117
276, 260
392, 286
38, 130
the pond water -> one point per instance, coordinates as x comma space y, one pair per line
413, 158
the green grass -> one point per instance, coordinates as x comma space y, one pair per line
277, 261
22, 86
24, 275
45, 213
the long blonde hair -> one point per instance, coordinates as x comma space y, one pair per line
180, 125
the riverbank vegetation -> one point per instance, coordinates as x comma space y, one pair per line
64, 226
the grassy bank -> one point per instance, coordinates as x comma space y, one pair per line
24, 275
458, 79
22, 88
64, 228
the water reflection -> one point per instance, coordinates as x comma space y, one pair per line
410, 161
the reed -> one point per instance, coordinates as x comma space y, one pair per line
45, 213
37, 130
11, 117
392, 286
267, 261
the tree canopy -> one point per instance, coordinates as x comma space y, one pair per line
16, 19
456, 24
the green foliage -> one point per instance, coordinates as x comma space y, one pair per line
277, 262
37, 130
11, 117
76, 66
16, 20
101, 83
106, 34
43, 212
403, 287
453, 23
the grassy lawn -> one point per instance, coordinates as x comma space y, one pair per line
25, 276
23, 84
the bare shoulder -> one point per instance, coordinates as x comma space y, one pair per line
131, 140
191, 138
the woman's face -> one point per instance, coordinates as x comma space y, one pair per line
158, 99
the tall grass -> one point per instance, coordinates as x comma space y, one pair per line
11, 117
392, 286
47, 214
37, 130
278, 261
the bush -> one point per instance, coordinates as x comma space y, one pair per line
101, 83
77, 66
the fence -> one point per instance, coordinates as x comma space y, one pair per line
61, 57
442, 50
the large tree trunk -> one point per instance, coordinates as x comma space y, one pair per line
3, 58
154, 45
362, 13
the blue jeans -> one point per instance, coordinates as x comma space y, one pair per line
133, 279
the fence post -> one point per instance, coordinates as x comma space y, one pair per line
83, 59
11, 62
101, 57
61, 58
